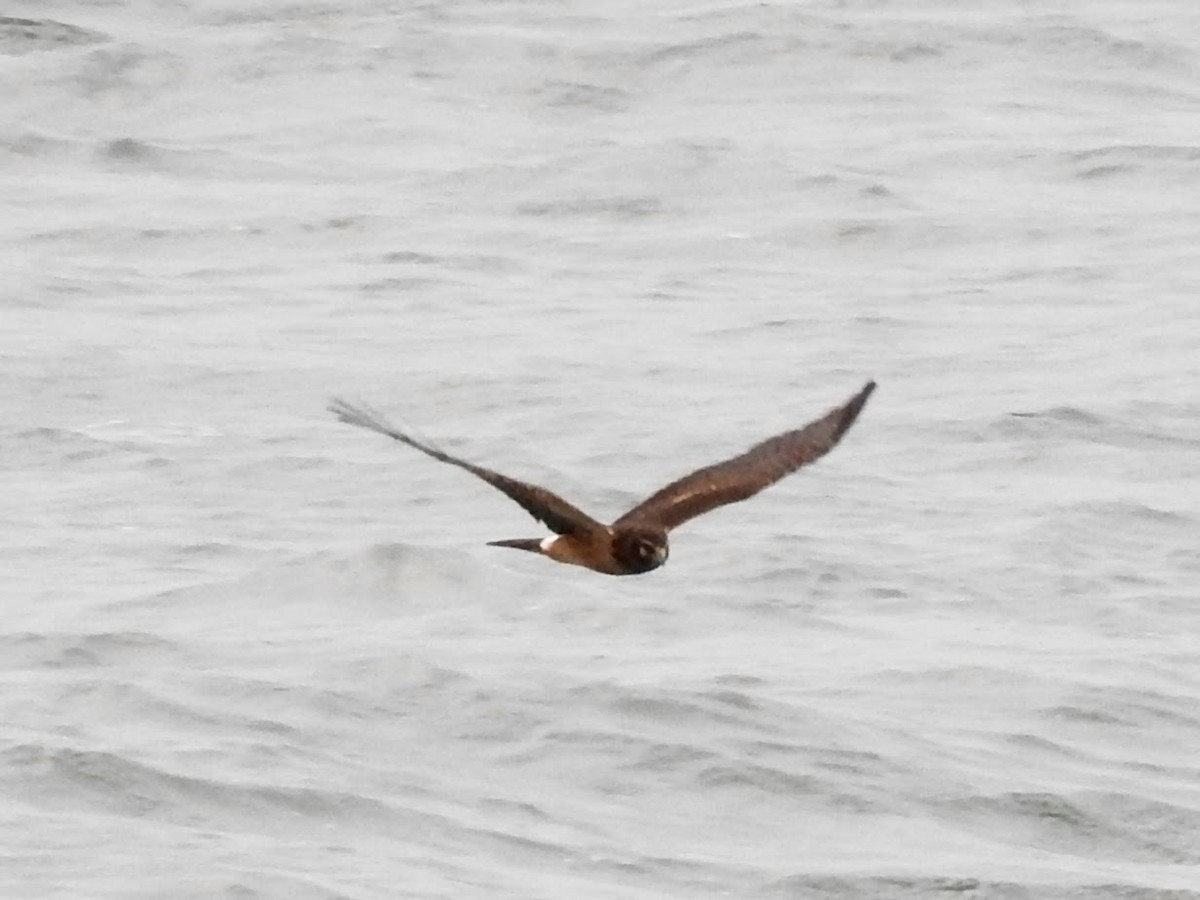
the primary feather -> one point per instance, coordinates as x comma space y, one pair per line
547, 507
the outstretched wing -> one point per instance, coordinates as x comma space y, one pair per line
545, 506
744, 476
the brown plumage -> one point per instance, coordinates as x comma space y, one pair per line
637, 541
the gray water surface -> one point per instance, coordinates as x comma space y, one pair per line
248, 652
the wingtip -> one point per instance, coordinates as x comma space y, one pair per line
338, 407
847, 414
857, 402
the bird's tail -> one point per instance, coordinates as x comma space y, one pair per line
531, 544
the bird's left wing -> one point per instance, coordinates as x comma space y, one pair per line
745, 475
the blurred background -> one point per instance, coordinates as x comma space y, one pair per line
250, 652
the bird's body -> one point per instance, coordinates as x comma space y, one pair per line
637, 542
609, 552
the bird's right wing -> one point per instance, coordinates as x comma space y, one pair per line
545, 506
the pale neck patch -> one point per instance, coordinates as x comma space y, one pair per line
548, 542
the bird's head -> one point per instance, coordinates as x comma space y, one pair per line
640, 549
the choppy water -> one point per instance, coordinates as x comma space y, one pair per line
248, 652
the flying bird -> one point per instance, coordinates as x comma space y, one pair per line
637, 542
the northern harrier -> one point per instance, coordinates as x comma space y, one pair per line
637, 542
